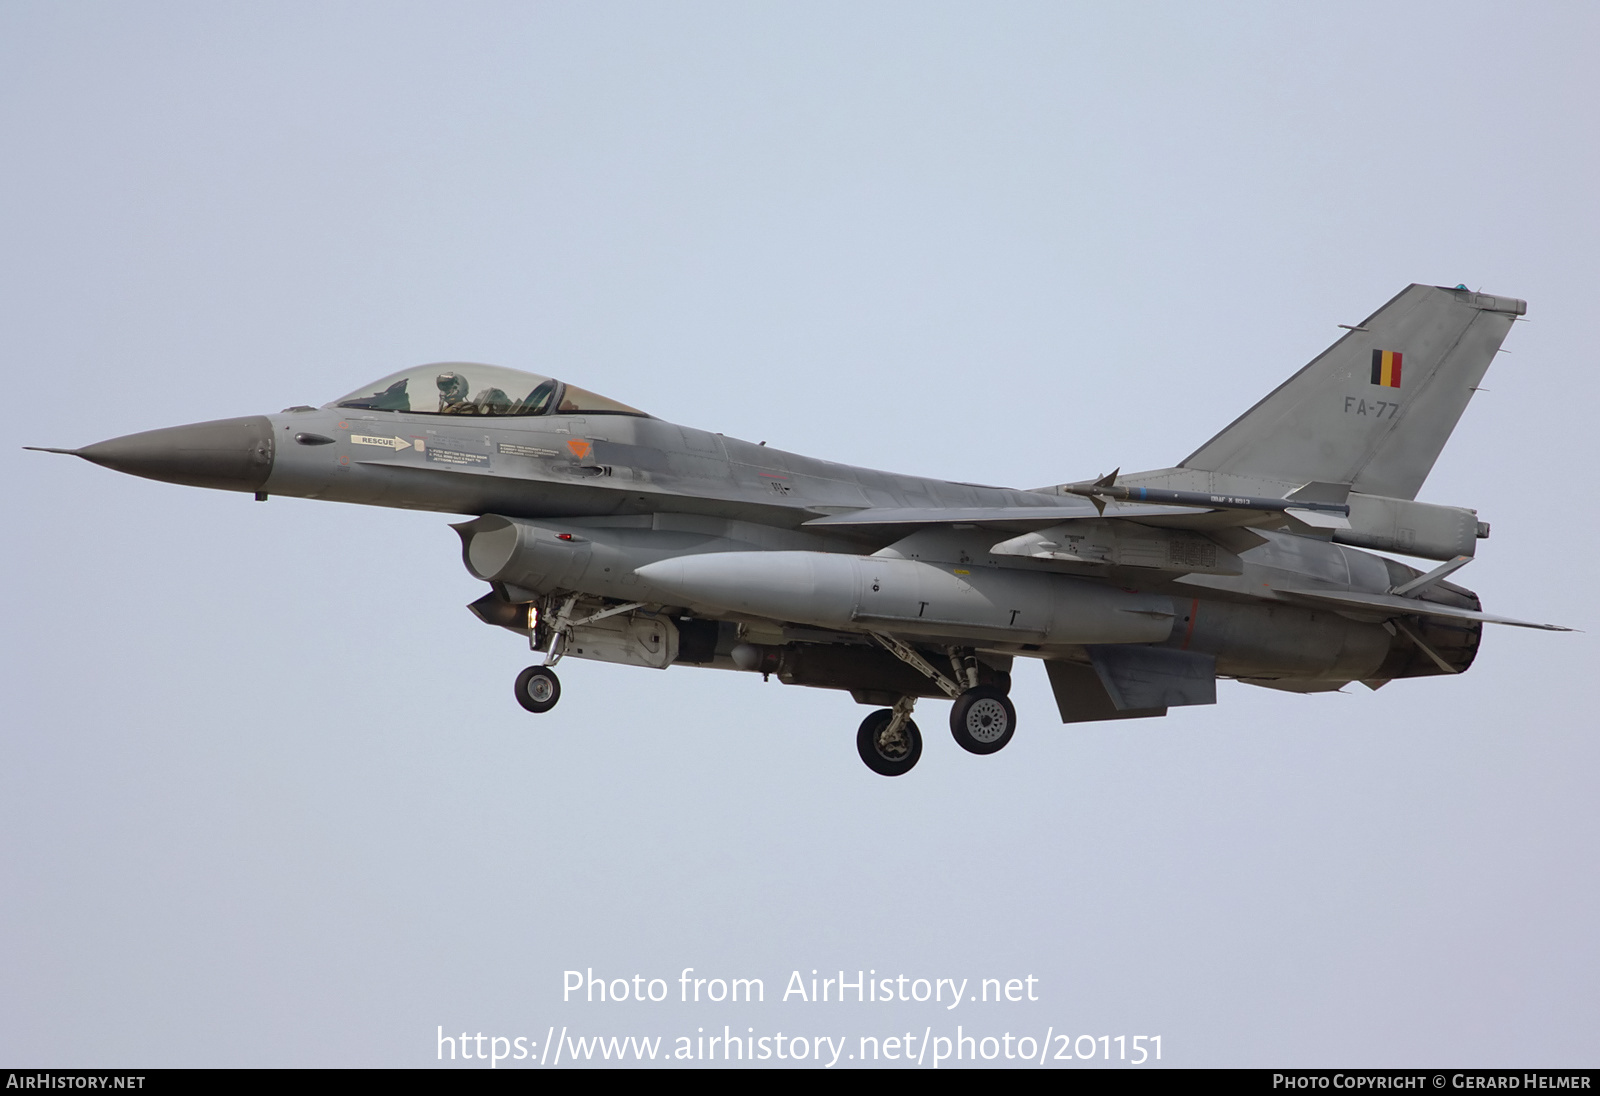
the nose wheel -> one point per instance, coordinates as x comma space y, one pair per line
983, 720
538, 689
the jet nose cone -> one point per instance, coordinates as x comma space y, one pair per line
230, 454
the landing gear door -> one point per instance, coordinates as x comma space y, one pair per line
638, 639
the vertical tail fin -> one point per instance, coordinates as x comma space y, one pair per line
1375, 408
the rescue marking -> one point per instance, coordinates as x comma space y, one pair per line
384, 443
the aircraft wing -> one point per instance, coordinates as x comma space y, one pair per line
1394, 605
1160, 515
1011, 516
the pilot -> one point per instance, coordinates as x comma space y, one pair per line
453, 390
492, 401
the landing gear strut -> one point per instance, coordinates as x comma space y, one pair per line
889, 741
538, 689
982, 718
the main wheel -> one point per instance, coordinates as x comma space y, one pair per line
538, 689
983, 720
884, 754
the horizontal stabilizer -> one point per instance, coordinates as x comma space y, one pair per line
1394, 605
1415, 587
1154, 677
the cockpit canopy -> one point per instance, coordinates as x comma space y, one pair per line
467, 388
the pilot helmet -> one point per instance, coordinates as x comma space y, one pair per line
453, 387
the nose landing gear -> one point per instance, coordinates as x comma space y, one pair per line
538, 689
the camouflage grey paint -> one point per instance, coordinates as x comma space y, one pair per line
650, 543
1379, 439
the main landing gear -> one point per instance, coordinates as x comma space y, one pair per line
982, 719
889, 741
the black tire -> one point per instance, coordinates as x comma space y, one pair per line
538, 689
884, 758
983, 720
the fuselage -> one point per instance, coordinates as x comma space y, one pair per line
643, 490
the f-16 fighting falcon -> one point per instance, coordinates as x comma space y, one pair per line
605, 533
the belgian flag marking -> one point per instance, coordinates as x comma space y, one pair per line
1386, 368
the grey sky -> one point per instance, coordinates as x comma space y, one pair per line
265, 796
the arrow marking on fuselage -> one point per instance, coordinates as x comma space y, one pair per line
386, 443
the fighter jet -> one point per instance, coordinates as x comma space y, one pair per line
603, 532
